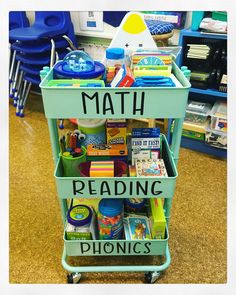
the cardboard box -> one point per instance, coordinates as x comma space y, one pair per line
107, 150
116, 131
151, 168
157, 219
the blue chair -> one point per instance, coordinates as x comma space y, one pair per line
43, 45
47, 24
32, 48
18, 19
38, 59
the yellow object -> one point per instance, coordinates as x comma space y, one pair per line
199, 127
143, 73
102, 169
134, 24
157, 219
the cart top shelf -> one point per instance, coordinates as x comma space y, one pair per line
130, 102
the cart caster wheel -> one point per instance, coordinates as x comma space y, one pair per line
73, 278
151, 277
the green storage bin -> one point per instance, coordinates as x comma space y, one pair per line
219, 15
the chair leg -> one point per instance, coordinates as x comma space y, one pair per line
19, 85
13, 90
24, 100
12, 66
21, 97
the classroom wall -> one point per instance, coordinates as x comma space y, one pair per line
75, 20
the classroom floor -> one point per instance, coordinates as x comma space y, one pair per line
197, 228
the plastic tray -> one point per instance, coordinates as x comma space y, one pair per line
119, 187
197, 112
115, 247
130, 102
219, 116
216, 138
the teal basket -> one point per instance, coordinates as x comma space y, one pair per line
116, 247
119, 187
126, 102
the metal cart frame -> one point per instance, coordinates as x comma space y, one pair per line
130, 103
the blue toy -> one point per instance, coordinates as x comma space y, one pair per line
78, 64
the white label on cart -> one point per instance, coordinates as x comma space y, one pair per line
105, 106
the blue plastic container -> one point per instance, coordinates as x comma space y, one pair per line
110, 219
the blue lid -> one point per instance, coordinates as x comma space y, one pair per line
79, 215
63, 73
115, 53
110, 207
78, 61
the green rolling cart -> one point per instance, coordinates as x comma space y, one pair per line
73, 102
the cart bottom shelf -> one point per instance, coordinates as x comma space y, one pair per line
117, 268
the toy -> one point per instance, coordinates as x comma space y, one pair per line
124, 78
102, 169
219, 116
107, 150
145, 143
114, 61
157, 219
94, 129
133, 33
154, 81
76, 83
80, 223
151, 70
110, 219
139, 228
197, 112
150, 167
78, 64
116, 131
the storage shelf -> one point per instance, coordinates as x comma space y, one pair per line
211, 92
201, 146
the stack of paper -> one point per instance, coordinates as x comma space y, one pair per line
198, 51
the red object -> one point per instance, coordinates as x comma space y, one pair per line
128, 79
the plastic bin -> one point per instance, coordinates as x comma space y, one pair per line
216, 138
219, 15
197, 112
219, 116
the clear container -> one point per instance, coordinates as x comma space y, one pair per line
114, 61
219, 116
216, 138
80, 223
110, 219
197, 112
